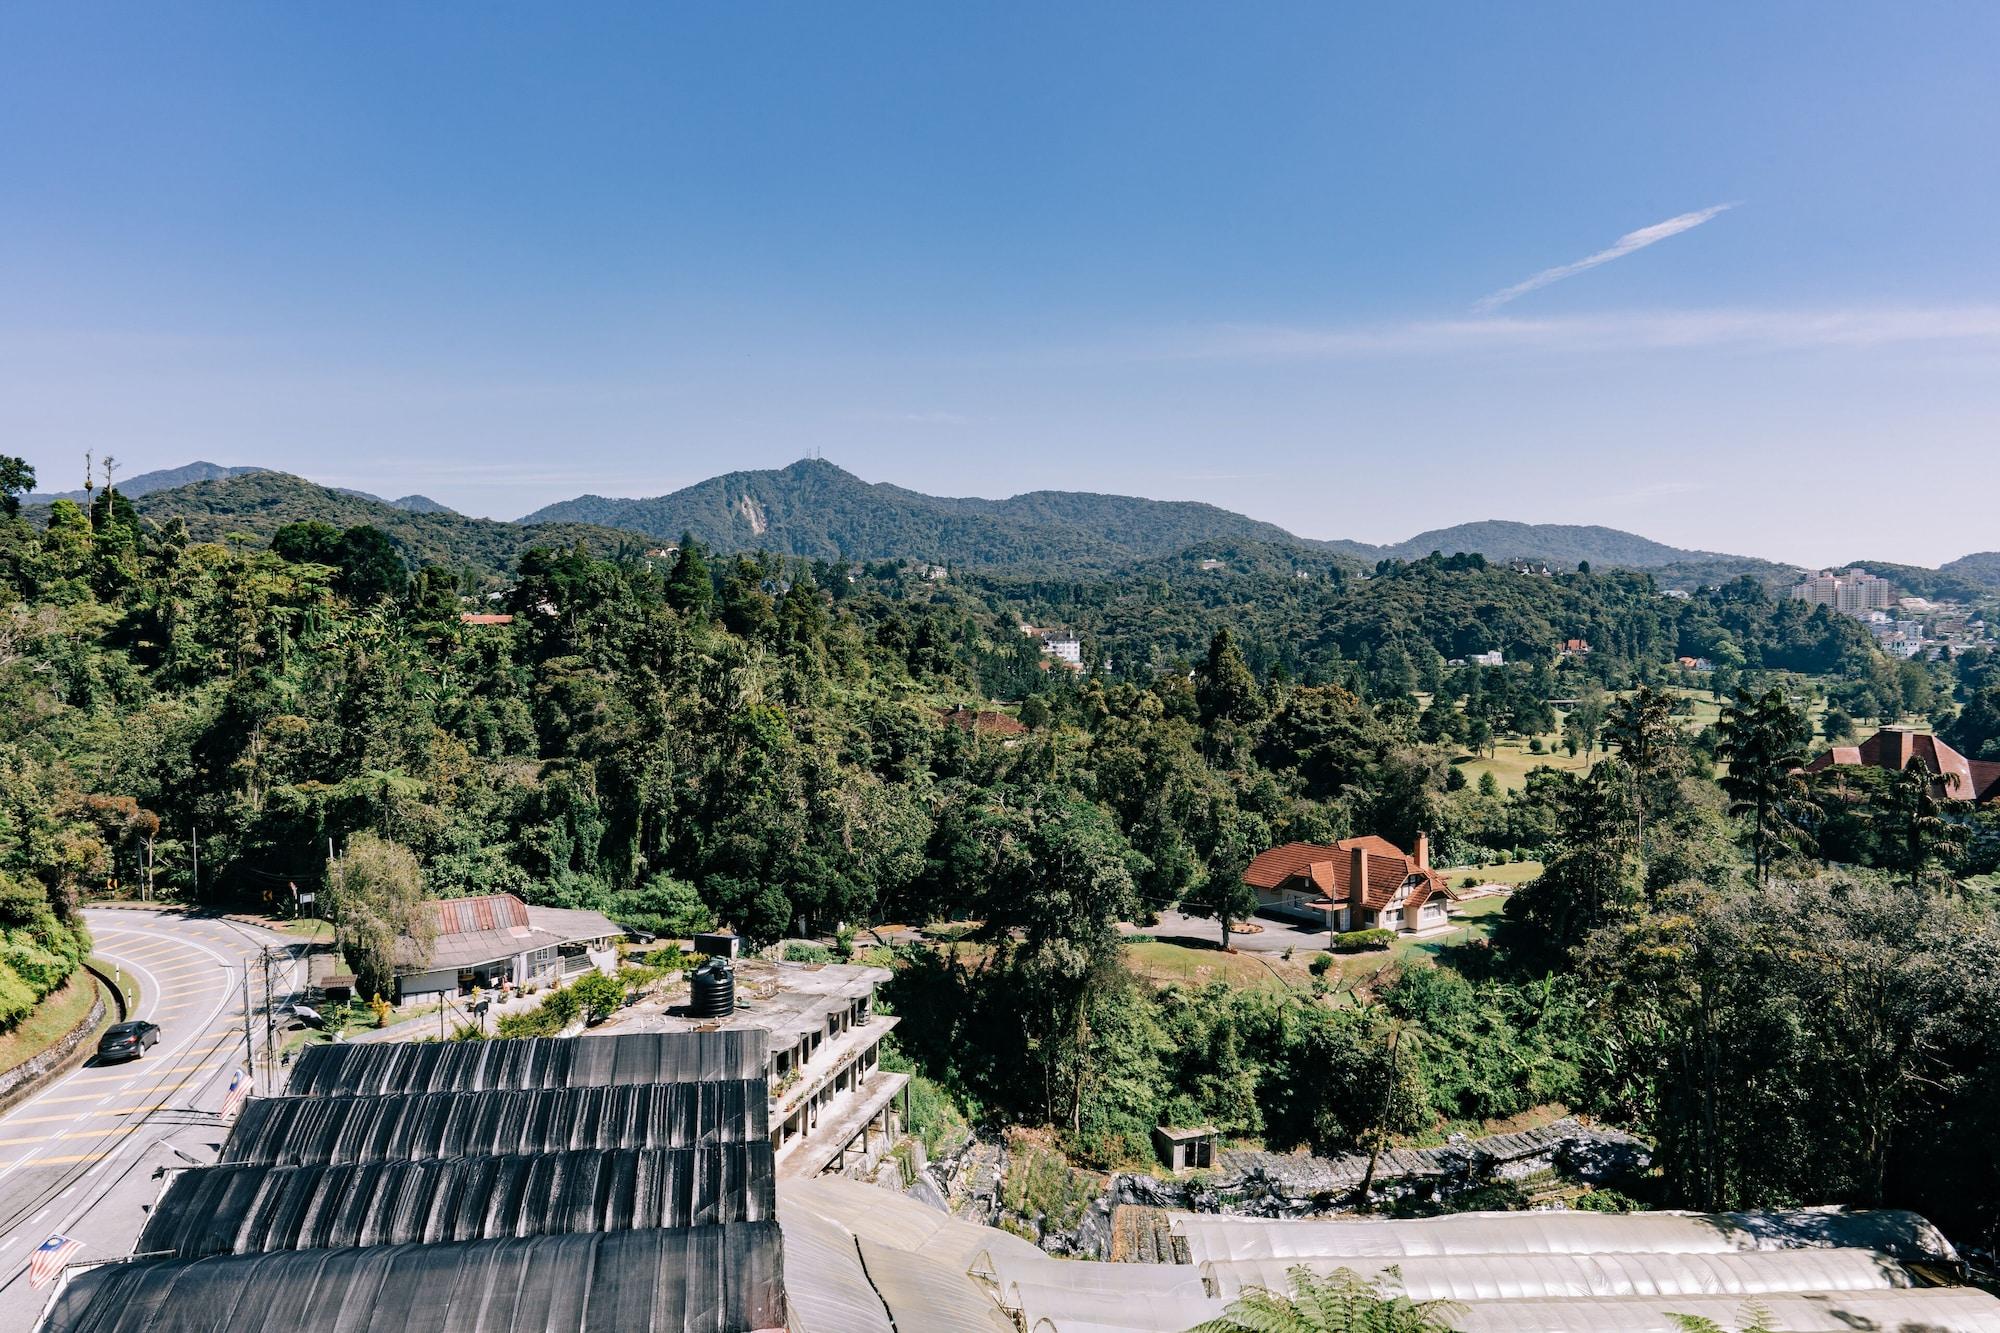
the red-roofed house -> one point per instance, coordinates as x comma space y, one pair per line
1896, 748
1355, 884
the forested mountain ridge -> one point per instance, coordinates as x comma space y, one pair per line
145, 483
1557, 543
260, 502
814, 508
1981, 567
817, 510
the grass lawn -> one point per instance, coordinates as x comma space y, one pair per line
62, 1010
1514, 872
1159, 961
306, 928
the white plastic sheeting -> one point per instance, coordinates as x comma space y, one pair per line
1499, 1277
860, 1259
902, 1223
1900, 1234
826, 1288
1061, 1308
1011, 1273
924, 1294
1938, 1310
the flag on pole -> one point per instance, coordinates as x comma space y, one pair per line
49, 1260
239, 1088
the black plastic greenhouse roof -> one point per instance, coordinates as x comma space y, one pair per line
291, 1131
253, 1209
705, 1280
535, 1062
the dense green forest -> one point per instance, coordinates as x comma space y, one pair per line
1788, 984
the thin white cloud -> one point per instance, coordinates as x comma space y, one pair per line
1629, 243
1617, 332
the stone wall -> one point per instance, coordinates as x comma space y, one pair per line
28, 1077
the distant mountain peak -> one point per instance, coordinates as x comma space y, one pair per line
145, 483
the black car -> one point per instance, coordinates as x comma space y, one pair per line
127, 1041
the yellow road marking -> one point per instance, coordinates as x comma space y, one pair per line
54, 1161
106, 1132
79, 1097
74, 1115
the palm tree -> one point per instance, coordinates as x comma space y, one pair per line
1917, 823
1342, 1302
1646, 728
1763, 740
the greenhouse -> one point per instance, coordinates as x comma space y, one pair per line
699, 1280
254, 1209
414, 1126
376, 1069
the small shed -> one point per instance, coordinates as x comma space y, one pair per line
1185, 1149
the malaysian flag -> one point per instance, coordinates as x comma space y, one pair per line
48, 1260
239, 1088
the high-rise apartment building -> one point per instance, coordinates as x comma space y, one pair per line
1854, 592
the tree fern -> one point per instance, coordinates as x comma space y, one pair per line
1341, 1302
1755, 1319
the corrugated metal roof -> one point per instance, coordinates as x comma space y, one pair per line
255, 1209
703, 1280
288, 1131
372, 1069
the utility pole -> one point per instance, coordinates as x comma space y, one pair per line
249, 1049
194, 835
270, 1025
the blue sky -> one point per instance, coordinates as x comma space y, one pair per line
1258, 255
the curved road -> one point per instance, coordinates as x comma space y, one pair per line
83, 1157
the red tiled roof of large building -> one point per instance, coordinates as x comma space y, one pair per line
1896, 748
1330, 869
483, 618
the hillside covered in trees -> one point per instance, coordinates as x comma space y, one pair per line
1789, 986
816, 509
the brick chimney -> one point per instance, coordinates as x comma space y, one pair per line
1423, 851
1896, 747
1357, 877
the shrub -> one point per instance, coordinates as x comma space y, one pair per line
1357, 941
800, 951
1320, 963
1607, 1201
546, 1019
597, 995
665, 906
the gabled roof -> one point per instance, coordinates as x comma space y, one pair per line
1329, 869
486, 929
1896, 748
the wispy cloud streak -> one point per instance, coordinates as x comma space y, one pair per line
1629, 243
1628, 331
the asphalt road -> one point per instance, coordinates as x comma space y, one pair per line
84, 1157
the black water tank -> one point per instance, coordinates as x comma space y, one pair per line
714, 988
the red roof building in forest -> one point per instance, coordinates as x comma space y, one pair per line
1896, 748
1365, 883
